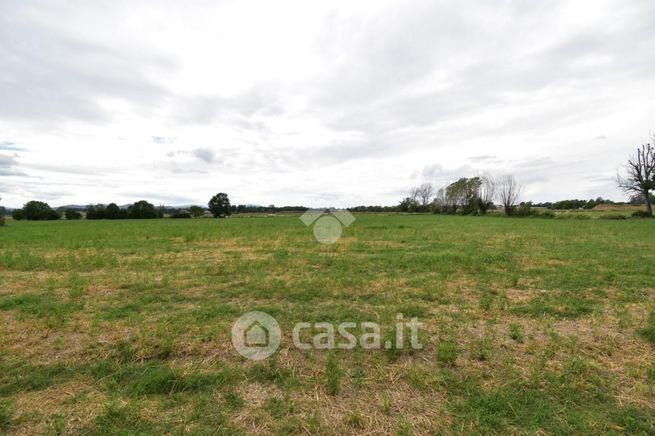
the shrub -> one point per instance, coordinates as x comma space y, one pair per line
18, 214
612, 216
96, 212
72, 214
447, 352
35, 211
142, 210
648, 332
524, 210
641, 214
181, 214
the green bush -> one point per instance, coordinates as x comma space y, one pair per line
72, 214
613, 216
35, 211
182, 214
641, 214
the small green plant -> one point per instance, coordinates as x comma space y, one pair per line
641, 214
648, 332
482, 349
386, 404
613, 216
233, 400
447, 352
314, 421
333, 374
356, 420
516, 332
280, 407
403, 427
6, 415
486, 301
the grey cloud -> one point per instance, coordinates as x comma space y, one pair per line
483, 68
48, 76
208, 109
206, 155
162, 139
484, 159
7, 166
167, 199
10, 146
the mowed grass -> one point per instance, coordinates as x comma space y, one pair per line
529, 326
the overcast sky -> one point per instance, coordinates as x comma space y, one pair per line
318, 103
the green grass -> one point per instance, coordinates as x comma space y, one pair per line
529, 326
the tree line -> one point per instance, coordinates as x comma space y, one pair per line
218, 206
467, 195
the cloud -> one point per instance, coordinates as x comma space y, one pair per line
7, 166
162, 140
206, 155
10, 146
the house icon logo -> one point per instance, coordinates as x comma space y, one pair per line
256, 335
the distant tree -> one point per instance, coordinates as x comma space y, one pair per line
180, 214
114, 212
39, 211
462, 195
18, 214
640, 175
219, 205
408, 204
508, 192
486, 194
197, 211
425, 192
638, 199
72, 214
97, 212
2, 215
142, 210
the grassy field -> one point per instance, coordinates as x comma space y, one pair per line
530, 325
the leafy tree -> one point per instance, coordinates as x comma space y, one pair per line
39, 211
197, 211
72, 214
113, 212
97, 212
640, 175
142, 210
408, 204
181, 214
462, 195
219, 205
18, 214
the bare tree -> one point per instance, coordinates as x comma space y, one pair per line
640, 178
414, 195
508, 192
425, 193
486, 193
